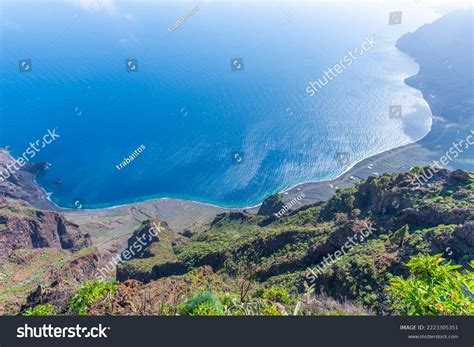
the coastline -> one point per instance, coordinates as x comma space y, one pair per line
392, 160
314, 191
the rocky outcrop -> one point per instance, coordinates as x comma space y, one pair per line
148, 233
23, 227
230, 216
150, 254
159, 270
271, 205
62, 285
428, 216
20, 184
458, 177
463, 241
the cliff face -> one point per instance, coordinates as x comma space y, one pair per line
443, 49
21, 184
150, 253
23, 227
60, 283
404, 220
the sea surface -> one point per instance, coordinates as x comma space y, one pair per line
210, 134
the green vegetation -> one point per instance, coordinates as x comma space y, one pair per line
87, 294
400, 236
244, 264
434, 287
275, 294
265, 259
203, 304
261, 302
41, 310
22, 280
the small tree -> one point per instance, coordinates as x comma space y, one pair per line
400, 236
246, 269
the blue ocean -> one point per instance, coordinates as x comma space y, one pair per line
219, 103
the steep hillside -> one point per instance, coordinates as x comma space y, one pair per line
39, 249
404, 220
23, 227
343, 252
368, 232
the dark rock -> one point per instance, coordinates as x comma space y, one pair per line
271, 205
428, 216
267, 221
187, 233
230, 216
458, 177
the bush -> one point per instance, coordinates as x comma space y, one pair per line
275, 294
434, 287
87, 294
41, 310
208, 309
269, 309
253, 307
202, 304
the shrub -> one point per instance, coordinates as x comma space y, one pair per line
208, 309
275, 294
41, 310
204, 304
254, 307
269, 309
433, 287
87, 294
